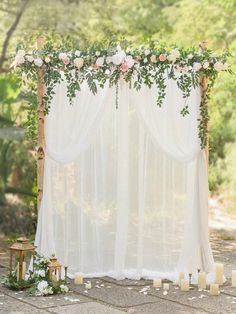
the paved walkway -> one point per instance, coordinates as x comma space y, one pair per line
109, 296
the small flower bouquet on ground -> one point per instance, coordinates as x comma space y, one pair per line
37, 282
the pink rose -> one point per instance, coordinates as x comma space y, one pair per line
66, 61
162, 57
124, 67
95, 66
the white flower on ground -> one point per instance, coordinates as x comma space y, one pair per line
100, 61
29, 58
40, 272
196, 66
219, 66
42, 285
78, 62
205, 65
38, 62
119, 57
77, 53
64, 288
130, 61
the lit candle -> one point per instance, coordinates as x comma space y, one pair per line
214, 289
23, 270
157, 283
233, 278
79, 279
219, 273
202, 280
166, 286
88, 285
184, 285
181, 277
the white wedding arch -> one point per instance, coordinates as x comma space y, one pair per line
123, 190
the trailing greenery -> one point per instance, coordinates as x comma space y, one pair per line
98, 64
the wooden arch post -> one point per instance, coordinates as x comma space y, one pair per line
204, 86
41, 136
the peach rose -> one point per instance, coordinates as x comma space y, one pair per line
124, 67
162, 57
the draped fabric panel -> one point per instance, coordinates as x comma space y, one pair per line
125, 190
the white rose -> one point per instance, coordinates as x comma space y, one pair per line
175, 52
62, 56
171, 58
100, 61
118, 48
190, 56
118, 58
38, 62
108, 59
145, 60
47, 59
205, 65
97, 53
64, 288
130, 61
21, 53
153, 59
225, 66
218, 66
107, 72
19, 60
78, 62
77, 53
42, 285
147, 52
196, 66
29, 58
40, 272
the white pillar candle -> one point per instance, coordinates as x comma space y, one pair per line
233, 278
184, 285
23, 270
79, 279
166, 286
181, 277
214, 289
219, 273
88, 285
157, 283
18, 271
202, 280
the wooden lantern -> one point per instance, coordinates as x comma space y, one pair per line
54, 269
20, 249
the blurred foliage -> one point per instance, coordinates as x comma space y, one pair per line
184, 22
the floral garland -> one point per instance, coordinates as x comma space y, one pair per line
37, 281
144, 65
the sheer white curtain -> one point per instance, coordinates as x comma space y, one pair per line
125, 190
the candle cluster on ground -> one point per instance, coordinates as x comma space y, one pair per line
185, 283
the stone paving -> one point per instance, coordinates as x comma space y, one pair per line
109, 296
